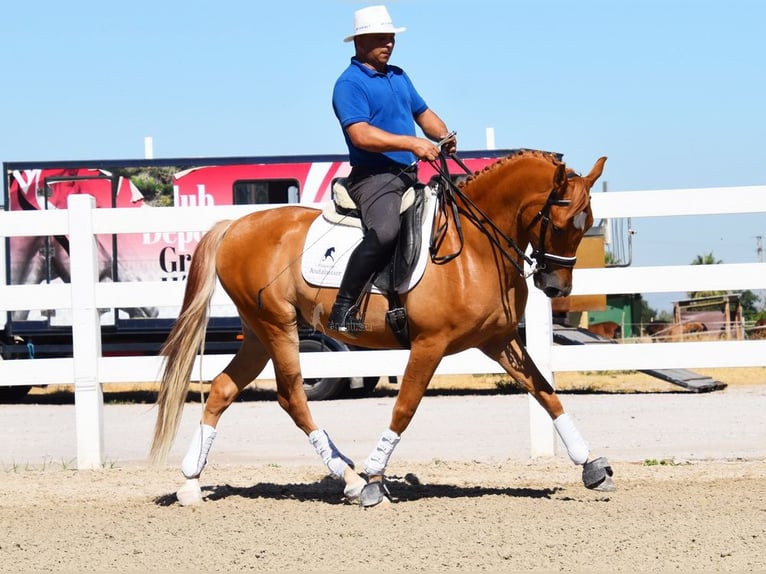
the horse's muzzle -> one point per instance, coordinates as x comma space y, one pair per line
554, 283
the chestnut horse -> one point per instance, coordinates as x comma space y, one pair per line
473, 298
607, 329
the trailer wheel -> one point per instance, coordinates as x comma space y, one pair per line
324, 388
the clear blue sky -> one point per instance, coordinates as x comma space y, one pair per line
672, 91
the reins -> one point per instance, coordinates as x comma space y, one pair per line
447, 200
474, 214
448, 206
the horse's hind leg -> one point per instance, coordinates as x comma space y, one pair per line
283, 348
596, 474
246, 365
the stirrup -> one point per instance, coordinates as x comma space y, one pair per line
344, 320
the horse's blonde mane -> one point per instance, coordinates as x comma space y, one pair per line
515, 155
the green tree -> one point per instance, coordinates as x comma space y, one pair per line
706, 259
646, 313
665, 316
749, 302
154, 183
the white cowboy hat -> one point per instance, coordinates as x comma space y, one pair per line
372, 20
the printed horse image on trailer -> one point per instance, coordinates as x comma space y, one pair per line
472, 295
38, 259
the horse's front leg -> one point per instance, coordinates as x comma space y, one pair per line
420, 368
596, 473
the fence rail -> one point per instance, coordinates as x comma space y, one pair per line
88, 370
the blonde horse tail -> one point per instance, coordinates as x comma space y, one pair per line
184, 340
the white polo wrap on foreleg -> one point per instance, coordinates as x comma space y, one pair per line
332, 457
377, 462
196, 457
577, 448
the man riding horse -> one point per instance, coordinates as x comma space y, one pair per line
377, 107
529, 199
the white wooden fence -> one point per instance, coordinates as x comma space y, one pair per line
88, 371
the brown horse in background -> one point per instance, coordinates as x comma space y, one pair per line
473, 300
606, 329
759, 330
674, 331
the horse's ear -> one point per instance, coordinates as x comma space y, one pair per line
560, 177
595, 173
560, 182
578, 198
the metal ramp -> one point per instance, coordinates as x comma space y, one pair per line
690, 380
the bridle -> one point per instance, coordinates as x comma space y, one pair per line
539, 254
538, 260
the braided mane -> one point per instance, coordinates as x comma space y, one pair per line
553, 157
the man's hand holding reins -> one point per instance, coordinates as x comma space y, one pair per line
429, 151
424, 149
448, 144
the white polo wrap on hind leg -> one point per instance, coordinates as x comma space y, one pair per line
377, 462
577, 448
332, 457
196, 457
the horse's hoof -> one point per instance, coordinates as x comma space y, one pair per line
597, 475
607, 485
353, 490
374, 493
190, 494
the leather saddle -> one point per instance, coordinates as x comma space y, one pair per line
343, 211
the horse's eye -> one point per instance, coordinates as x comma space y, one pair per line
579, 220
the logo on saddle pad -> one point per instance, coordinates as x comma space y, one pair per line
330, 243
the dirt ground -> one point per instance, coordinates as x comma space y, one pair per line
705, 516
530, 515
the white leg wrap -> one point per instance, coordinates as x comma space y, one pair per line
332, 457
577, 448
196, 456
377, 462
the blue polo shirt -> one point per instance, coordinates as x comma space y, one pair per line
387, 101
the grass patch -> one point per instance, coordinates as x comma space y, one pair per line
47, 464
661, 462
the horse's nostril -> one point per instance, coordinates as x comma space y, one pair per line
556, 291
552, 292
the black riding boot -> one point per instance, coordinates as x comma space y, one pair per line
364, 262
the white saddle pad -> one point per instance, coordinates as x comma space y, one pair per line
329, 245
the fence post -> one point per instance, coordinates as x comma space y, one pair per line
86, 333
539, 340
